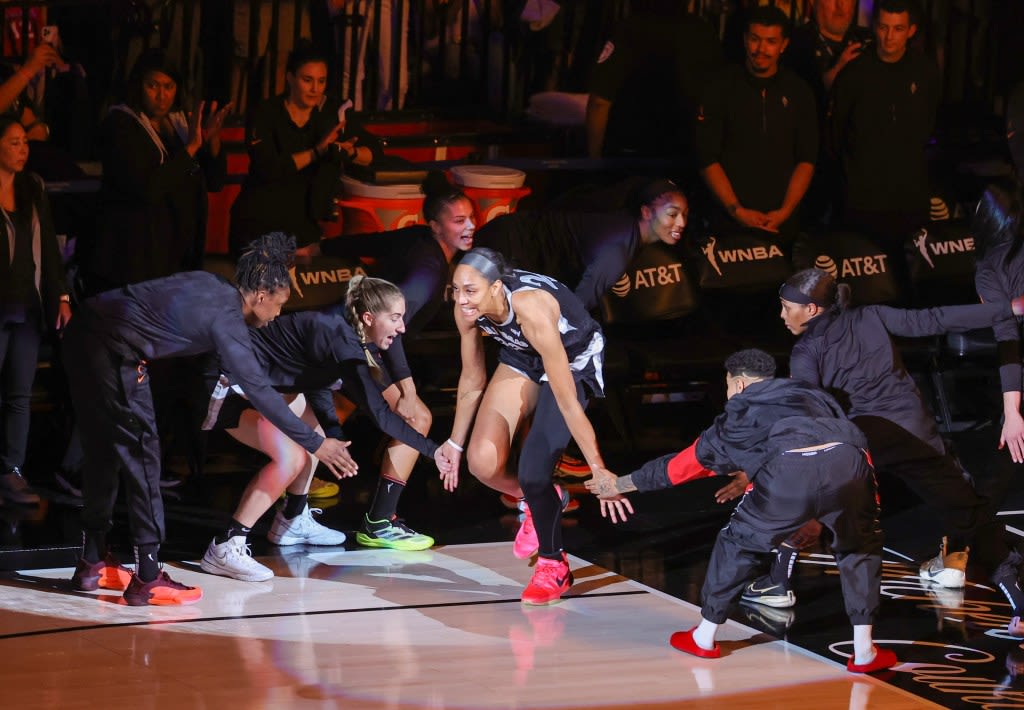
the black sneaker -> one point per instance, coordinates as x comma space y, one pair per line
774, 594
108, 573
15, 489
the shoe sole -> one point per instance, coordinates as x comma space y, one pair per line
138, 600
211, 567
947, 578
775, 601
367, 541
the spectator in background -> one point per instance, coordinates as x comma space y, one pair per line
817, 52
647, 81
296, 159
822, 48
13, 99
158, 164
757, 136
881, 117
33, 298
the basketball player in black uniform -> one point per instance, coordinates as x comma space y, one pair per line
550, 358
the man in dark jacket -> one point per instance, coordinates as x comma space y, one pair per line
757, 134
805, 459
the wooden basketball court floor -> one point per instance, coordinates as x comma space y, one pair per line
443, 628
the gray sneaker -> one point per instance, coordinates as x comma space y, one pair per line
234, 559
303, 529
15, 489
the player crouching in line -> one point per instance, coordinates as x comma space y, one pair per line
806, 460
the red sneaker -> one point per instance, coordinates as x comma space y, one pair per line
551, 579
884, 659
526, 544
162, 591
108, 573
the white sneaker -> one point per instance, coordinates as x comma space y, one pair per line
234, 559
946, 570
303, 529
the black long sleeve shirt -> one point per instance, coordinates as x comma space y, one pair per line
997, 279
764, 420
758, 130
881, 117
309, 352
193, 313
850, 353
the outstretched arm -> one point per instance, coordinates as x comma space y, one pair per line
472, 381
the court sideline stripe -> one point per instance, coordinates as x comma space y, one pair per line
284, 615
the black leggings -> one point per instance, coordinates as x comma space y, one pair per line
545, 443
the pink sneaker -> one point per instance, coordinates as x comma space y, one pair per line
526, 544
551, 579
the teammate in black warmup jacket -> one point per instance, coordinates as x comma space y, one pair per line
805, 459
306, 355
549, 366
850, 353
108, 346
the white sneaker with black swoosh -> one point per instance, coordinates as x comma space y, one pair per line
774, 594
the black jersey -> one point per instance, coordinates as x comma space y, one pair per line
581, 335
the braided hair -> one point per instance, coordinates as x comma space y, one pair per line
367, 294
265, 264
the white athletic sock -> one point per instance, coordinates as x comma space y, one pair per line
863, 647
704, 634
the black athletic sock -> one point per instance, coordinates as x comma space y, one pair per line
233, 530
782, 566
546, 510
147, 564
557, 556
385, 500
94, 546
294, 504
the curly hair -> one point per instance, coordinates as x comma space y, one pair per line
265, 263
750, 363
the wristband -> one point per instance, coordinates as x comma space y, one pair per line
454, 446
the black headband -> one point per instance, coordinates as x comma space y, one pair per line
795, 295
482, 264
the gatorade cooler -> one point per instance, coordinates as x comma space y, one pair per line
494, 190
378, 208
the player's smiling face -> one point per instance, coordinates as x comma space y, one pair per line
473, 295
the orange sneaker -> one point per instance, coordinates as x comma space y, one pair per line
108, 573
551, 579
162, 591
